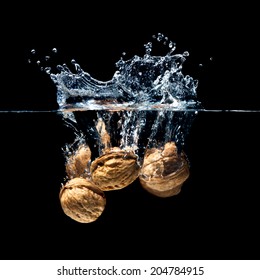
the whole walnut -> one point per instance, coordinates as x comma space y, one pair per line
77, 164
164, 170
81, 200
115, 169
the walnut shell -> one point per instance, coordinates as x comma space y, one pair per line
77, 164
115, 169
164, 170
81, 200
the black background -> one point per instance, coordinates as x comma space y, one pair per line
217, 212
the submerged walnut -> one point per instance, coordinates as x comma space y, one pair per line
81, 200
77, 165
115, 169
164, 170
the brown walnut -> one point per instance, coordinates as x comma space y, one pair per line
81, 200
77, 165
115, 169
164, 170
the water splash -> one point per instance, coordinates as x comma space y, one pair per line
146, 82
147, 102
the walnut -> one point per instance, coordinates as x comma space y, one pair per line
164, 170
81, 200
115, 169
77, 165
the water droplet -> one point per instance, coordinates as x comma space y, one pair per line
47, 57
172, 47
59, 67
211, 58
54, 50
29, 61
200, 65
186, 53
33, 51
160, 37
148, 47
47, 70
38, 62
171, 44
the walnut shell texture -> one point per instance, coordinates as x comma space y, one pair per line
115, 169
164, 170
77, 164
81, 200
